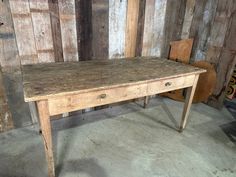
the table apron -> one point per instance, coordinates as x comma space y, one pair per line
75, 102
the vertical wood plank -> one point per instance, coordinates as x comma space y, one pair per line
100, 17
223, 39
9, 58
201, 26
56, 30
46, 135
68, 29
131, 27
85, 14
190, 4
117, 26
24, 31
174, 18
154, 27
141, 20
43, 36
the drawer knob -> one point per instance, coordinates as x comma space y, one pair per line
168, 84
102, 96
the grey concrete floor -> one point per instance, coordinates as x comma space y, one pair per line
128, 141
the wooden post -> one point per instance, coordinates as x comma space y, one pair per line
46, 134
188, 102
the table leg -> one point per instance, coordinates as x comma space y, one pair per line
46, 134
146, 98
187, 104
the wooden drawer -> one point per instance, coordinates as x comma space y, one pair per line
106, 96
166, 85
95, 98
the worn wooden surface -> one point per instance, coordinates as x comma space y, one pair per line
68, 30
131, 27
100, 17
174, 18
44, 80
181, 50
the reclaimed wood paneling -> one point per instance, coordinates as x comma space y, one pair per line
86, 33
56, 30
174, 18
188, 17
43, 36
68, 29
24, 31
100, 17
141, 20
225, 60
154, 27
9, 58
117, 26
201, 27
131, 27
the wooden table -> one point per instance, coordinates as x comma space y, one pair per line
64, 87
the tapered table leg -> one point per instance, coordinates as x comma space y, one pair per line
44, 118
146, 99
188, 103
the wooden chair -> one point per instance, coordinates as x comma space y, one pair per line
180, 51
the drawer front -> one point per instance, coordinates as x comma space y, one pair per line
95, 98
166, 85
101, 97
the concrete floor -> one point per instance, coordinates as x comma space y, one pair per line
128, 141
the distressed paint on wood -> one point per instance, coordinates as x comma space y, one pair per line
117, 26
190, 5
68, 29
154, 27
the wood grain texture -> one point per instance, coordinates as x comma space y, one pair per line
100, 17
188, 103
154, 27
174, 18
181, 50
41, 81
188, 17
131, 27
46, 135
117, 26
9, 58
68, 30
86, 31
56, 30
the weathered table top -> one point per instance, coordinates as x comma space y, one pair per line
43, 81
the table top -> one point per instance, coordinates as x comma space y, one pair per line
43, 81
